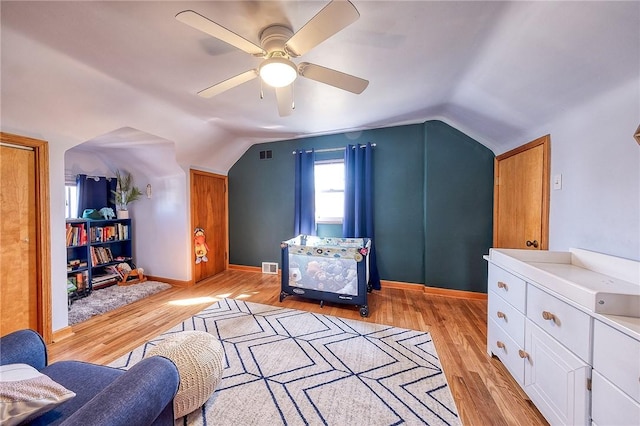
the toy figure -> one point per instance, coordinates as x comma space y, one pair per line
107, 213
295, 274
200, 245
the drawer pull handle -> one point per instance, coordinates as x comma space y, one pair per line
502, 285
523, 354
501, 314
548, 316
500, 344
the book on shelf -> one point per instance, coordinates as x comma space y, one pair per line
113, 269
80, 280
76, 235
75, 266
115, 232
101, 255
69, 234
104, 277
99, 281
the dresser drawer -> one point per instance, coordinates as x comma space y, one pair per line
503, 346
508, 286
611, 406
506, 316
568, 325
617, 357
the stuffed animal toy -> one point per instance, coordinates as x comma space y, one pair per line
91, 214
107, 213
200, 245
313, 268
295, 274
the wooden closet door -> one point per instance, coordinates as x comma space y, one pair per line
25, 300
521, 197
18, 290
209, 212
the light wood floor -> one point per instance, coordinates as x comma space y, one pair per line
484, 392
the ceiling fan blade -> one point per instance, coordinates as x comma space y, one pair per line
333, 78
199, 22
229, 83
284, 95
334, 17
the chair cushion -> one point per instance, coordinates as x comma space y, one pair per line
83, 378
25, 394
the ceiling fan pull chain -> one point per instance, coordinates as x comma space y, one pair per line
261, 91
293, 95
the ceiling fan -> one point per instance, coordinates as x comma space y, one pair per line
278, 44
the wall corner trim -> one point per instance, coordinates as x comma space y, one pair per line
62, 334
175, 283
457, 294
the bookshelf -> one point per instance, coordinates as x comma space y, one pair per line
77, 259
94, 249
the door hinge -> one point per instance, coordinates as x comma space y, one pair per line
589, 384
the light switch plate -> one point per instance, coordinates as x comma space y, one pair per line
557, 181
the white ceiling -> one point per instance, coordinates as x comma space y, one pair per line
88, 70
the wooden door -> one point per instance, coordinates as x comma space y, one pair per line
25, 300
209, 213
521, 197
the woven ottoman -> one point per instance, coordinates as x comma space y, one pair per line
199, 359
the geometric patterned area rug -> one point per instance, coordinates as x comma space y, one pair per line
291, 367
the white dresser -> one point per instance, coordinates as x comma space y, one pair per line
552, 322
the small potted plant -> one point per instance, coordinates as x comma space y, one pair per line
125, 193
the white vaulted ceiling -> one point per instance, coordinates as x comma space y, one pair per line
84, 70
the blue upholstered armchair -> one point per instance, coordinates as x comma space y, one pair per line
105, 396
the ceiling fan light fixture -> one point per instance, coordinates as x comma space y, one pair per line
278, 72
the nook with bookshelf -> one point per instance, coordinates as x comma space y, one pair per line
94, 249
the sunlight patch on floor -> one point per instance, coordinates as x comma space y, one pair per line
246, 295
194, 301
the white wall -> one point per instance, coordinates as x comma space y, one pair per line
598, 207
162, 244
77, 161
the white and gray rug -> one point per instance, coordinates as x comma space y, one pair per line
110, 298
291, 367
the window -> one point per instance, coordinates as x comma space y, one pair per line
329, 186
70, 198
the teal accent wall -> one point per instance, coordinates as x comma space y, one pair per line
261, 200
458, 209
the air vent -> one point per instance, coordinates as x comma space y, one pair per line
265, 155
269, 268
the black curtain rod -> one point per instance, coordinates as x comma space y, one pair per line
96, 178
335, 149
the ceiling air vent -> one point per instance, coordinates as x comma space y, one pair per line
269, 268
